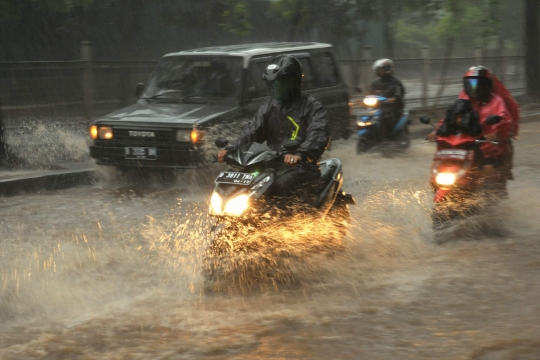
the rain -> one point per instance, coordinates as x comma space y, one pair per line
139, 219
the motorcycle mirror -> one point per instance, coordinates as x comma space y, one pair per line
425, 119
139, 89
221, 142
358, 89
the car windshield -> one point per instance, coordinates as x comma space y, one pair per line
189, 78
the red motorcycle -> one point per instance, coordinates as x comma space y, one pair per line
457, 178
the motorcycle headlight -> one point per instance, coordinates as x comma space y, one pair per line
216, 204
237, 205
446, 179
362, 123
370, 101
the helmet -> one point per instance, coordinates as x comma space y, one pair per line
385, 64
284, 76
477, 82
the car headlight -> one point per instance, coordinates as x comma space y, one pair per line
237, 205
370, 101
216, 204
93, 132
445, 179
362, 124
183, 135
194, 136
105, 132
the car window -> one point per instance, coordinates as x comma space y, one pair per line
196, 77
326, 69
309, 80
256, 86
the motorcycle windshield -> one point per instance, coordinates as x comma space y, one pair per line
455, 140
253, 153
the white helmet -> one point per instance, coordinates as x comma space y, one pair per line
386, 64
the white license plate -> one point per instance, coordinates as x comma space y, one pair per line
140, 153
235, 178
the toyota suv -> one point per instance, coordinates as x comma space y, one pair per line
191, 91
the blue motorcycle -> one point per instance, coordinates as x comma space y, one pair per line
371, 131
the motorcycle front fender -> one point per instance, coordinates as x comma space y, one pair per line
440, 195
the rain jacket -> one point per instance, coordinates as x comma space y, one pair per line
511, 104
389, 87
305, 119
495, 106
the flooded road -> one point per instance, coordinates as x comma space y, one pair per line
108, 272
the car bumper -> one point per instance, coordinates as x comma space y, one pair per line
167, 157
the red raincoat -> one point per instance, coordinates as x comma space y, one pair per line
503, 129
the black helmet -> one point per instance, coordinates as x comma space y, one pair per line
477, 82
284, 75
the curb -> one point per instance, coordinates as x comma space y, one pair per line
52, 181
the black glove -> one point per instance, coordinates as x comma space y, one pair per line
493, 119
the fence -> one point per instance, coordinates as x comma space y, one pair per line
83, 85
89, 87
424, 77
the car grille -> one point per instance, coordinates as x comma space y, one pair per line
161, 136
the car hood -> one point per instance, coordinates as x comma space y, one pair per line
178, 114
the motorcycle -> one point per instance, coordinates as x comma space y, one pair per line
370, 129
242, 197
458, 181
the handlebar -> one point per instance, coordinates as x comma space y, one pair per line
478, 141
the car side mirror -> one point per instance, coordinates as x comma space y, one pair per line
139, 89
221, 142
425, 120
358, 89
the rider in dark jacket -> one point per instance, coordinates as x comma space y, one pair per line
391, 88
289, 115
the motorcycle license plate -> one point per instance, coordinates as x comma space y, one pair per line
235, 178
140, 153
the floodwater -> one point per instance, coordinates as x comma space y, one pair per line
114, 272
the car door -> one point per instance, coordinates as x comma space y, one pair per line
329, 88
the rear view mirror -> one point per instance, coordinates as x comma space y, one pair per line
425, 119
139, 89
221, 142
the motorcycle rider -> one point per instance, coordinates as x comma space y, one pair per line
288, 115
477, 88
390, 87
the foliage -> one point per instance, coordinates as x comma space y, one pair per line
236, 18
467, 22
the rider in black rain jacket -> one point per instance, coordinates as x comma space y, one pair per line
289, 115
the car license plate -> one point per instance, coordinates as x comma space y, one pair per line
235, 178
140, 153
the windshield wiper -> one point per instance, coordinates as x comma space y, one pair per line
161, 94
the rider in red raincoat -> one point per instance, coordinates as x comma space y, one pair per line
484, 92
478, 89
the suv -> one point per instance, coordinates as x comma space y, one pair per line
190, 91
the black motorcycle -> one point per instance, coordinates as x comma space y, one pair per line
243, 197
